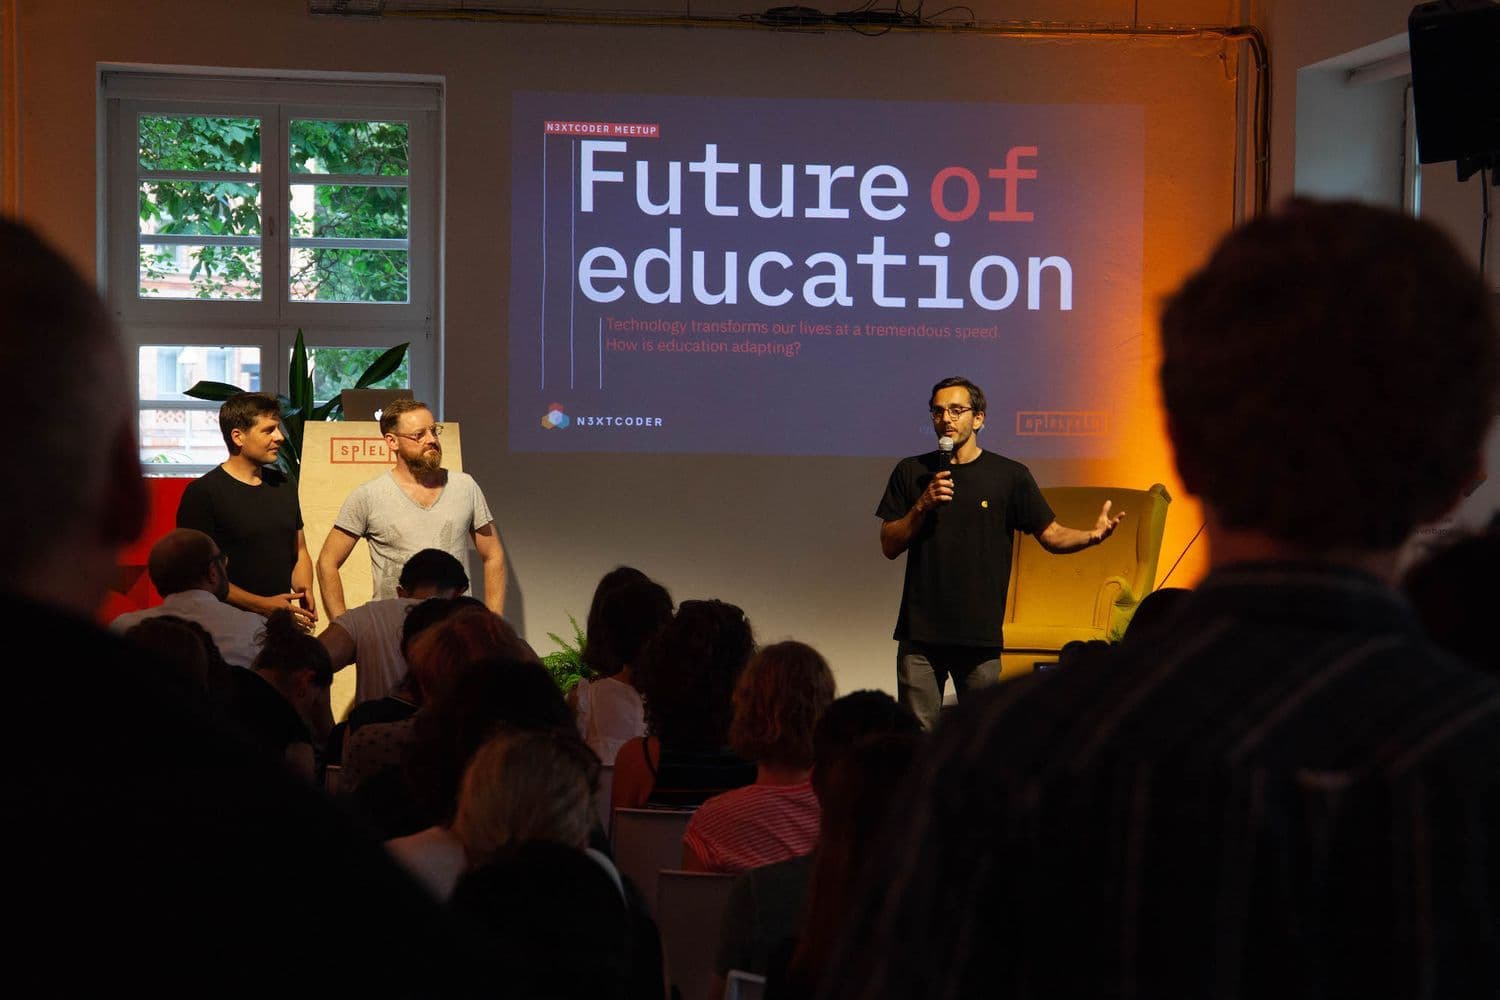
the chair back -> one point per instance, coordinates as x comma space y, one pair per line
644, 841
742, 985
1090, 594
689, 912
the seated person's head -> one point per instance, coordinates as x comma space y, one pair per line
185, 559
1153, 615
469, 634
688, 671
1329, 376
780, 695
295, 663
526, 785
432, 573
183, 650
625, 619
1449, 588
71, 378
849, 720
486, 695
595, 655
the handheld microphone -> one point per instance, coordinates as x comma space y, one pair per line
945, 451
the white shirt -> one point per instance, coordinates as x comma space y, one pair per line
237, 633
375, 627
610, 714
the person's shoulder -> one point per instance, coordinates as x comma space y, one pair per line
1000, 463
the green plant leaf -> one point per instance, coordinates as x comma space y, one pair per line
215, 391
382, 366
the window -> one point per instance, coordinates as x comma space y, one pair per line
239, 210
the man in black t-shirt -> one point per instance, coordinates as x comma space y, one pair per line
954, 515
251, 510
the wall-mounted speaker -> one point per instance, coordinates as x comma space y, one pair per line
1455, 80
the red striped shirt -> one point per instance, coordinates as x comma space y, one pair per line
753, 826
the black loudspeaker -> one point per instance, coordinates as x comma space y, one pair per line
1455, 82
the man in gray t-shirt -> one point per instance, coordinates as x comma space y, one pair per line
417, 505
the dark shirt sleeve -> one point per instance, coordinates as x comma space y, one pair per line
196, 510
1029, 509
898, 499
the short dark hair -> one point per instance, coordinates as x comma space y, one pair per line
976, 394
1329, 375
241, 412
390, 416
435, 568
285, 648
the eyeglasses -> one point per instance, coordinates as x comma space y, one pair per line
222, 558
436, 430
954, 410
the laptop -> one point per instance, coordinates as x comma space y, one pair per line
366, 404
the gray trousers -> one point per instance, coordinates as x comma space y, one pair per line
923, 669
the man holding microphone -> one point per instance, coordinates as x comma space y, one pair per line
954, 512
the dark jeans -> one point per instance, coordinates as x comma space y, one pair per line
923, 669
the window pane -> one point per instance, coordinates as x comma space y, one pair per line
348, 147
181, 437
168, 370
334, 275
353, 212
199, 272
200, 208
338, 368
180, 142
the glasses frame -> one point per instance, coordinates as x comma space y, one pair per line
436, 430
953, 410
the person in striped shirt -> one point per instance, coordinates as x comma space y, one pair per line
1292, 791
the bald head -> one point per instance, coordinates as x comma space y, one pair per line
184, 560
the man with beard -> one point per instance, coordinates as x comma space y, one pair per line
417, 505
954, 513
250, 509
191, 573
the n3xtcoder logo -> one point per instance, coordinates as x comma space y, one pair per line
555, 418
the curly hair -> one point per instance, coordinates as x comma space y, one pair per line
777, 702
687, 674
1329, 376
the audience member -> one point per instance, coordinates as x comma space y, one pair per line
146, 832
554, 925
609, 708
1450, 591
185, 653
1292, 790
1153, 618
765, 906
437, 657
777, 702
686, 677
487, 695
191, 573
277, 702
371, 633
599, 657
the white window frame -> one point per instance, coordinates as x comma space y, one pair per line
271, 324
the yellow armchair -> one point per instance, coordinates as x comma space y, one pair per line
1053, 600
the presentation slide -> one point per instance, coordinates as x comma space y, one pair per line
790, 277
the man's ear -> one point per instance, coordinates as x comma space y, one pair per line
401, 591
123, 508
978, 420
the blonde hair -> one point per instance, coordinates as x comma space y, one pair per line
524, 786
784, 689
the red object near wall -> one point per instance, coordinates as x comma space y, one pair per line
132, 588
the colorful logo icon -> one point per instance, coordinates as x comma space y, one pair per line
555, 417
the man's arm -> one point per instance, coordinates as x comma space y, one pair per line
336, 549
492, 554
1060, 540
896, 535
339, 643
264, 605
302, 581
